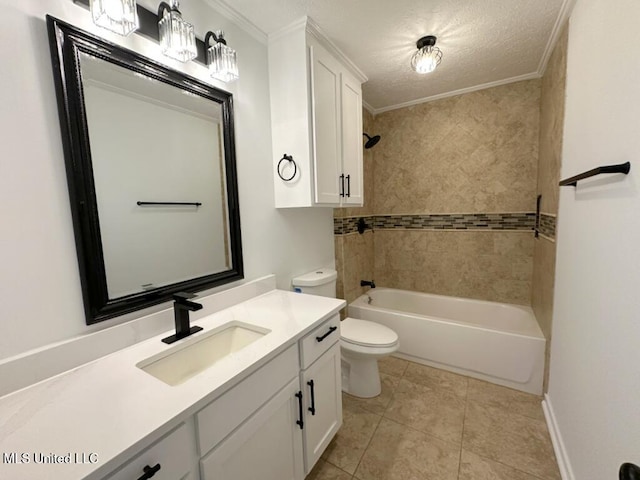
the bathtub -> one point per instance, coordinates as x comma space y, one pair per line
496, 342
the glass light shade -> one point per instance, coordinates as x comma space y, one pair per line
426, 59
223, 62
119, 16
177, 38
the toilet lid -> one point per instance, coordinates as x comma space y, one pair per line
364, 332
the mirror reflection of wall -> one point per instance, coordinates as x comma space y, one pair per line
153, 142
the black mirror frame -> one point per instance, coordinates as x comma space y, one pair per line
66, 43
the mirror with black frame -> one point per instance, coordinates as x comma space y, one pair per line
151, 171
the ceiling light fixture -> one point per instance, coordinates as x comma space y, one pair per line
428, 56
177, 38
222, 59
119, 16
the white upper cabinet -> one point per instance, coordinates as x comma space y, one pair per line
352, 140
316, 114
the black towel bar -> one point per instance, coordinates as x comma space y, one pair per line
196, 204
619, 168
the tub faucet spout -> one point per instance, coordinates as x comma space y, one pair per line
367, 283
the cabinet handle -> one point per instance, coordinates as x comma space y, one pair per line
149, 471
312, 408
300, 422
331, 330
342, 185
348, 185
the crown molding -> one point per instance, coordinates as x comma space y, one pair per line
240, 20
299, 24
314, 29
563, 16
368, 108
497, 83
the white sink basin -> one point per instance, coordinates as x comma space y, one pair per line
182, 362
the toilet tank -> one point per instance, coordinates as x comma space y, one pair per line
319, 282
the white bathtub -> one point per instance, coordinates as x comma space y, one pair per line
496, 342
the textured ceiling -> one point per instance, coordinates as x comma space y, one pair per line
483, 42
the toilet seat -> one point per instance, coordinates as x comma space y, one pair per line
364, 333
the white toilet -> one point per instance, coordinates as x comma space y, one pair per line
362, 342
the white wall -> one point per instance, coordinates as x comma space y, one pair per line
41, 300
594, 389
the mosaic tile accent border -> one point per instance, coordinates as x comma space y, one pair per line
547, 226
463, 221
342, 226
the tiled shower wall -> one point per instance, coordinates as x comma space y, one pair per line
551, 122
450, 192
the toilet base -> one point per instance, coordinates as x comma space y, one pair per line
360, 376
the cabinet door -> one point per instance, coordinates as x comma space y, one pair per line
351, 91
326, 397
267, 446
326, 120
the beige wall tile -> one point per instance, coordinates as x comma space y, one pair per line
475, 152
552, 100
339, 243
356, 263
488, 265
551, 128
543, 281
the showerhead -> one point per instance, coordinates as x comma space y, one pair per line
371, 141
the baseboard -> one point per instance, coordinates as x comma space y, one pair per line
562, 458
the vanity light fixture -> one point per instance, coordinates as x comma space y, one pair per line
222, 59
177, 38
119, 16
428, 56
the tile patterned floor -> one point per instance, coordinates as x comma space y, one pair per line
428, 424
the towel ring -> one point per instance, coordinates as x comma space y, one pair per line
295, 167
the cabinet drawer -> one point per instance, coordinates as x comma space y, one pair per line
223, 415
319, 341
174, 453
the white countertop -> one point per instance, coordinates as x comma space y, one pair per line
111, 408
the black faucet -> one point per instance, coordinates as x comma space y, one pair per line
366, 283
181, 308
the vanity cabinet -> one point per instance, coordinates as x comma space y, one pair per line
267, 446
316, 115
273, 425
293, 421
321, 384
169, 458
323, 412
